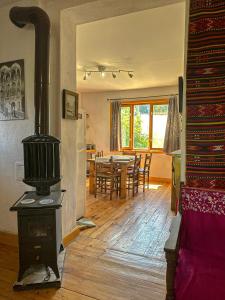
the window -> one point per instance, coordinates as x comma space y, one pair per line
143, 124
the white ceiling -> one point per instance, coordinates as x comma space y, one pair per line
150, 42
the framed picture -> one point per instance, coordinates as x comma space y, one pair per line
12, 90
70, 105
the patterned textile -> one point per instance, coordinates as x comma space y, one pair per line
206, 95
200, 273
203, 200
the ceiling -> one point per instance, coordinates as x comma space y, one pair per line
150, 42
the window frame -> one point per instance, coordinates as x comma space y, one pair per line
131, 104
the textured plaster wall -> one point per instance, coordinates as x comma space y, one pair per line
15, 44
68, 127
18, 44
98, 123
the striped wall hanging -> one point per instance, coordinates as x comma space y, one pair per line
205, 131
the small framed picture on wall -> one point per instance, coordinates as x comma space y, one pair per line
70, 105
12, 90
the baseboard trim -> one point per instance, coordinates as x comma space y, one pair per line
9, 239
159, 179
70, 237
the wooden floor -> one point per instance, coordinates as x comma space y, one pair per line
122, 258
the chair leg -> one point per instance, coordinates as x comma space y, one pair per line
96, 186
117, 186
143, 182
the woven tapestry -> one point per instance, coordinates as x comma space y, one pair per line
206, 95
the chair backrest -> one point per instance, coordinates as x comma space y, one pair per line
148, 158
139, 156
99, 154
103, 167
129, 153
137, 163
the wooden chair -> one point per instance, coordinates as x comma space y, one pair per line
144, 173
133, 176
107, 178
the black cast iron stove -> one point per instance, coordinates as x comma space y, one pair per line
41, 253
40, 240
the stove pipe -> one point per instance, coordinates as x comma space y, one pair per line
41, 151
21, 16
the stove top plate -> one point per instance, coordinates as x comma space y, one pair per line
27, 201
46, 201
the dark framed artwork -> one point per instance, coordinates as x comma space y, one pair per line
70, 105
12, 90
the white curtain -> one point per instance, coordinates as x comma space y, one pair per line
173, 127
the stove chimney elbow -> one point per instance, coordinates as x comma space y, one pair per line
20, 16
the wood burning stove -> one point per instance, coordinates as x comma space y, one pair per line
39, 212
39, 231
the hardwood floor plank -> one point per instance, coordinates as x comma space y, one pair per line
122, 258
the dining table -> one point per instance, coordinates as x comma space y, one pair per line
124, 162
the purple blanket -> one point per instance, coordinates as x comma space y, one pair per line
201, 264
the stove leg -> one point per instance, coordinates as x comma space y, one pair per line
20, 274
61, 248
55, 269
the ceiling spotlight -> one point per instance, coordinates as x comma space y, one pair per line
113, 75
101, 69
131, 75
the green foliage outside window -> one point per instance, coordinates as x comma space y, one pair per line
141, 138
125, 126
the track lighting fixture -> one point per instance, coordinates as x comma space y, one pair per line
103, 71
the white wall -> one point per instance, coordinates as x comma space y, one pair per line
19, 44
68, 127
16, 44
98, 123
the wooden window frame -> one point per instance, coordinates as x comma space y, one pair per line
131, 104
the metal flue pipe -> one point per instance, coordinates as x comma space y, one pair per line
21, 16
